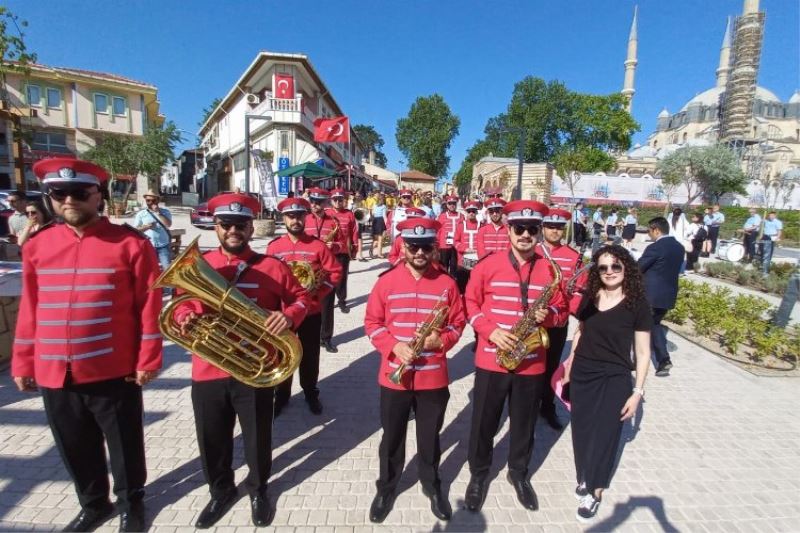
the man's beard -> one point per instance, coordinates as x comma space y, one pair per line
235, 250
419, 268
296, 230
77, 218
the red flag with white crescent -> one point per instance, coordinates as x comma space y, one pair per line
284, 86
332, 130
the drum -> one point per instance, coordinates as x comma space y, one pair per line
732, 251
470, 260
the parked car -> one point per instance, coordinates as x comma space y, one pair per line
201, 217
6, 210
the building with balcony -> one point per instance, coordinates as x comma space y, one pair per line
287, 89
73, 109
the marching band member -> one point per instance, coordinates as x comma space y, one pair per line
396, 253
493, 236
217, 397
450, 219
466, 241
326, 228
398, 214
349, 239
500, 289
88, 338
553, 227
297, 245
405, 296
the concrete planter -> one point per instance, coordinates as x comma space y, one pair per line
263, 228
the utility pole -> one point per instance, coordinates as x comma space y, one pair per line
18, 149
247, 119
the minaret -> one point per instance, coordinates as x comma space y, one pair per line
750, 7
630, 60
725, 57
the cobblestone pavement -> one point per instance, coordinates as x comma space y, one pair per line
715, 449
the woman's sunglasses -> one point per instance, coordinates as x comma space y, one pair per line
414, 248
519, 229
81, 194
616, 268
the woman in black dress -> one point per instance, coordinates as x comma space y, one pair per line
614, 317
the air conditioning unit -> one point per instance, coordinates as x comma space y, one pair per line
253, 99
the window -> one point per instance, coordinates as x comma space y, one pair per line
34, 95
53, 98
100, 103
50, 142
239, 160
284, 143
119, 106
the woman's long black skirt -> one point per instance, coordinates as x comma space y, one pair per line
598, 391
629, 232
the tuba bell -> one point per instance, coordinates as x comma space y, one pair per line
231, 336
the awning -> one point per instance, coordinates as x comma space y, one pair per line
307, 170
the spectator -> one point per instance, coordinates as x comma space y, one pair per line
789, 299
18, 219
38, 217
772, 234
696, 233
154, 222
378, 226
707, 243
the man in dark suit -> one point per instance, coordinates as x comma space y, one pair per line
660, 264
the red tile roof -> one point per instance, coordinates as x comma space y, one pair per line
416, 175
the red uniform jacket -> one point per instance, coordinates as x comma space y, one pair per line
397, 305
493, 300
268, 282
492, 238
466, 238
396, 253
87, 306
447, 233
347, 236
314, 251
569, 261
320, 227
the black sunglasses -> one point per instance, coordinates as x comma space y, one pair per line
80, 194
616, 268
228, 225
519, 229
554, 226
414, 248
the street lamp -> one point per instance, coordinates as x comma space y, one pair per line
400, 176
247, 119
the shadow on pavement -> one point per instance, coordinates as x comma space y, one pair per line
623, 510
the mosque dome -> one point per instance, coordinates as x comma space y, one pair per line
664, 113
711, 97
642, 152
795, 99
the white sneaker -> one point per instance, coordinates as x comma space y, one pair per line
587, 509
581, 491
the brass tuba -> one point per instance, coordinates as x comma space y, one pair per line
232, 336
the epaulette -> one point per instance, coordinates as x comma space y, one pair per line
47, 226
134, 230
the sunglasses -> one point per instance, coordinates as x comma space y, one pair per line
519, 229
616, 268
554, 226
414, 248
81, 194
240, 226
31, 213
495, 210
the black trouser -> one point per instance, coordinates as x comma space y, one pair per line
693, 256
309, 364
217, 404
490, 393
558, 338
749, 245
81, 418
449, 260
429, 407
713, 235
580, 234
658, 337
341, 288
326, 317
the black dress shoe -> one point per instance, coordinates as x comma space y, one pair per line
262, 512
329, 347
525, 493
315, 406
276, 412
381, 507
90, 518
214, 510
133, 518
343, 308
476, 493
439, 504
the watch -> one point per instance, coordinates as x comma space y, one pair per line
639, 391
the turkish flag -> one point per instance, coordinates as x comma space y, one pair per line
332, 130
284, 86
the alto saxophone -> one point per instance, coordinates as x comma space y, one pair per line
433, 322
332, 234
531, 336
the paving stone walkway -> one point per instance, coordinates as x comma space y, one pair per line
714, 449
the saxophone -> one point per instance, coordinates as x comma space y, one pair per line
332, 234
433, 322
531, 335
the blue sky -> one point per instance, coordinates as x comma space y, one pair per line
377, 56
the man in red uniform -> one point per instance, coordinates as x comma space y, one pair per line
88, 338
501, 288
325, 228
396, 253
567, 258
297, 245
398, 214
493, 236
450, 219
217, 397
466, 241
348, 238
404, 297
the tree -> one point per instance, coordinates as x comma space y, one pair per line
14, 54
372, 141
123, 155
208, 110
705, 171
425, 135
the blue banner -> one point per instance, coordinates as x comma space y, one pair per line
283, 185
283, 163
